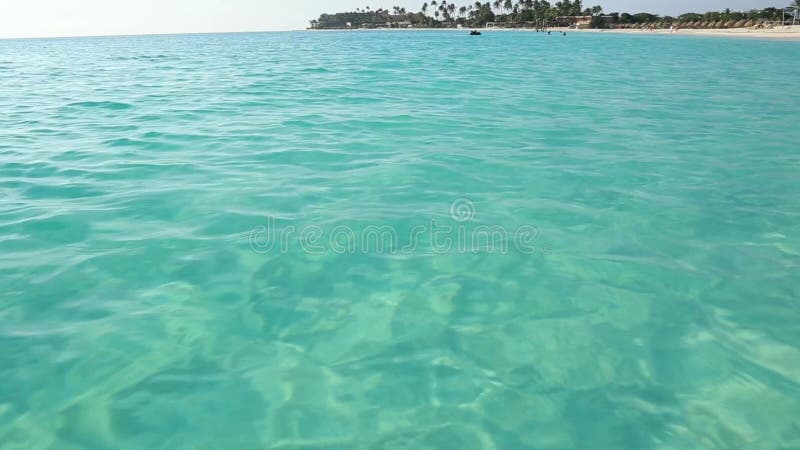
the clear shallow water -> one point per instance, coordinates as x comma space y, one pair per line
142, 307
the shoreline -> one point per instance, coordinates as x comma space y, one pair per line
781, 33
786, 32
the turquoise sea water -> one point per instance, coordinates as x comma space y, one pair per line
176, 214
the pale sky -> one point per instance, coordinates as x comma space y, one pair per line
36, 18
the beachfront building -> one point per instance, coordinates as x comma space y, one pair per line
514, 25
580, 22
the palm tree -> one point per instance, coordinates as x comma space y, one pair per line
476, 8
463, 11
577, 8
795, 5
443, 10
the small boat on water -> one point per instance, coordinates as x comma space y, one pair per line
474, 33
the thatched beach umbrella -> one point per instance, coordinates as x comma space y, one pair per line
730, 24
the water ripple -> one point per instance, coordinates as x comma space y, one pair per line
658, 311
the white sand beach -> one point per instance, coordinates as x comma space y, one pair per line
786, 32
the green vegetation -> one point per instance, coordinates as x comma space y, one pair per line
540, 14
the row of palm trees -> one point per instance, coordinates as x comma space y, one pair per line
505, 10
445, 12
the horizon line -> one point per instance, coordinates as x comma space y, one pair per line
177, 33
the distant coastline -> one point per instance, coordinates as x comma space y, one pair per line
780, 33
541, 15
